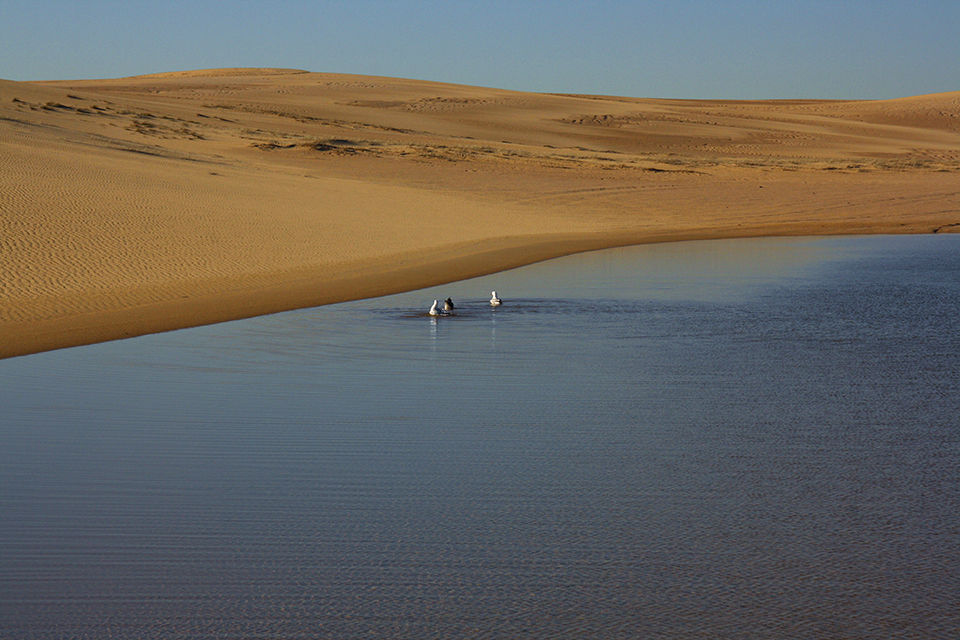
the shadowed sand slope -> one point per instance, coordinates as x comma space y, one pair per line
145, 204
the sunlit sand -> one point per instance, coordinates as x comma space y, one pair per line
153, 203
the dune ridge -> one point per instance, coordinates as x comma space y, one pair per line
135, 205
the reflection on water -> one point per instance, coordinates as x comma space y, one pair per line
733, 439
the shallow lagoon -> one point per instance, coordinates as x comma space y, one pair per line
751, 438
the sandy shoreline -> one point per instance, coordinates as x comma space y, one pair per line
148, 204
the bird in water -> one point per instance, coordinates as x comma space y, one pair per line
495, 301
437, 312
448, 305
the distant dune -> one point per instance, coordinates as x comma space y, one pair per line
151, 203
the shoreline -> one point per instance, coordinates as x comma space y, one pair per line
305, 290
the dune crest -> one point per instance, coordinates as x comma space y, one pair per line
156, 202
223, 73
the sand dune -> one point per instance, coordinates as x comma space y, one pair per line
157, 202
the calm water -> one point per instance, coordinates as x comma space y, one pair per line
739, 439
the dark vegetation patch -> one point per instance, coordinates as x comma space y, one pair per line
338, 145
271, 146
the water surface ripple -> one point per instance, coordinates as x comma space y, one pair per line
743, 439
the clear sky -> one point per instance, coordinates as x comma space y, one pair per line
747, 49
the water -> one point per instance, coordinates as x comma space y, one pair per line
738, 439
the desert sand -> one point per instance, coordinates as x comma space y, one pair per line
145, 204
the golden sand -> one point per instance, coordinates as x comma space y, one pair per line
153, 203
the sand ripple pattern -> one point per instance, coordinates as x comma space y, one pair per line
84, 225
82, 231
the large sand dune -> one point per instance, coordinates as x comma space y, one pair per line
145, 204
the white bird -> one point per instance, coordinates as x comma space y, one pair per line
448, 305
495, 301
438, 312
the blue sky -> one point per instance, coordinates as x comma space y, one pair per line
749, 49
